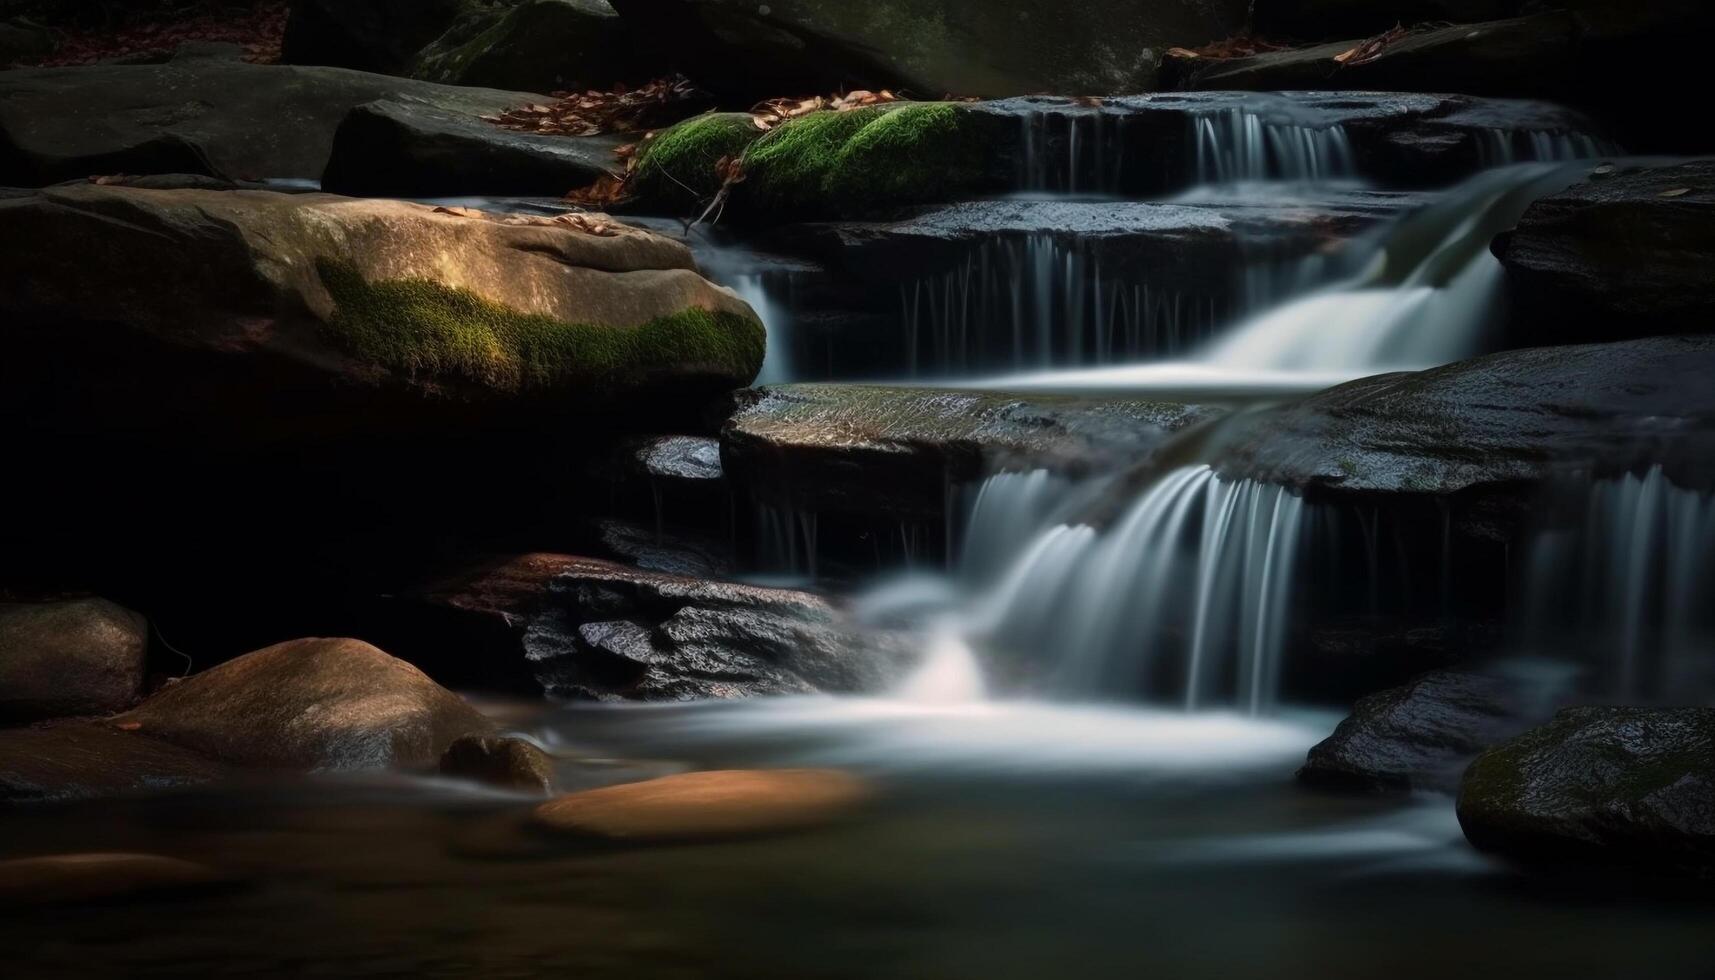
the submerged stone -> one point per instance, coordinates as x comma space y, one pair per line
61, 878
507, 762
701, 806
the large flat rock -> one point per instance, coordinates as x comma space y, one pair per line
78, 760
1628, 251
225, 118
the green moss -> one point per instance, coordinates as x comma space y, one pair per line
441, 334
865, 160
677, 168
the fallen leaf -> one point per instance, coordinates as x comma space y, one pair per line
1676, 192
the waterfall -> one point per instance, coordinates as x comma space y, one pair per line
1629, 584
754, 289
1009, 509
1504, 147
1088, 158
1240, 144
1041, 300
1189, 590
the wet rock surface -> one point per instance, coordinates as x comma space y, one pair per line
586, 628
1513, 417
1611, 785
1627, 251
77, 760
196, 117
74, 657
1422, 735
538, 45
506, 762
897, 451
700, 806
414, 149
313, 704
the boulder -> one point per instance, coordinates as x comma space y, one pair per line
369, 35
289, 310
931, 49
1309, 19
96, 877
1629, 251
412, 149
895, 451
660, 549
76, 760
75, 657
507, 762
312, 704
1420, 736
705, 806
1515, 417
1609, 785
537, 45
222, 118
593, 629
22, 41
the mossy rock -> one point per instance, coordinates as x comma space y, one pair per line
677, 169
872, 159
440, 334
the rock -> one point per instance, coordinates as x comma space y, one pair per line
672, 551
1610, 785
538, 45
61, 878
77, 760
418, 150
594, 629
896, 451
1624, 253
1608, 57
504, 761
1354, 18
876, 160
369, 35
964, 48
703, 806
1420, 736
76, 657
221, 118
313, 704
1515, 417
694, 460
21, 41
284, 308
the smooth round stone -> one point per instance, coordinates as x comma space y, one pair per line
707, 805
92, 877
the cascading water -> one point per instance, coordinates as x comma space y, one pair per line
1190, 587
1241, 144
1089, 158
1629, 585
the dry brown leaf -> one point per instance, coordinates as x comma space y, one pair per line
1676, 192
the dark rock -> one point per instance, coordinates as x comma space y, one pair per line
1344, 657
58, 878
22, 41
697, 806
222, 118
1629, 251
504, 761
966, 48
369, 35
1609, 785
538, 45
76, 760
76, 657
1511, 418
896, 451
1419, 736
687, 459
1355, 18
419, 150
593, 629
673, 551
281, 308
313, 704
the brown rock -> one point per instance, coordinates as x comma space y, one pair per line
91, 877
79, 656
707, 805
83, 760
504, 761
317, 704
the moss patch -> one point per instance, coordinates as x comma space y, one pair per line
440, 334
678, 167
866, 160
